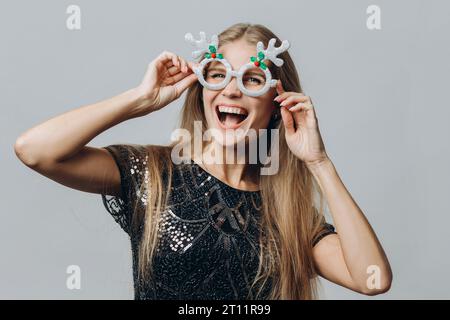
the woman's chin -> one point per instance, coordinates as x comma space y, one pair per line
238, 138
230, 137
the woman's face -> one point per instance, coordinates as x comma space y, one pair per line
254, 113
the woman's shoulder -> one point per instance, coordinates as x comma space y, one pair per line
145, 148
148, 160
136, 161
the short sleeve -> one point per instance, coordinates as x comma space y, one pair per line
326, 230
131, 161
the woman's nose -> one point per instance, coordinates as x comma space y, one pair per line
232, 89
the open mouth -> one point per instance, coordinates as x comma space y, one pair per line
230, 117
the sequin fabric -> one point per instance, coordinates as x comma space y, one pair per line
208, 235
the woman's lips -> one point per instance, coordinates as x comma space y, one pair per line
226, 126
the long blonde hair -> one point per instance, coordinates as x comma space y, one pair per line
289, 218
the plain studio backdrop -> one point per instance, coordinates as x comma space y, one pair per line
380, 97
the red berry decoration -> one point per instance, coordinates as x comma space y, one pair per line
258, 61
213, 55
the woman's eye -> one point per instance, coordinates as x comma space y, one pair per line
216, 75
254, 80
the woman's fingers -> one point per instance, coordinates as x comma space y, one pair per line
294, 103
172, 71
283, 96
166, 56
169, 59
181, 65
175, 78
173, 68
185, 83
288, 120
301, 106
164, 60
185, 80
279, 87
293, 99
174, 74
287, 94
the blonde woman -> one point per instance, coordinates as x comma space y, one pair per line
202, 230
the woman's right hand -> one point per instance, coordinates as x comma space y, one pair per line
167, 77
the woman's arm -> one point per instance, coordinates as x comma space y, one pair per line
57, 148
350, 257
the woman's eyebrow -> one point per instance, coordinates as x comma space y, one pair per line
256, 73
216, 69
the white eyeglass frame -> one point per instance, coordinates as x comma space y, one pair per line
269, 82
269, 54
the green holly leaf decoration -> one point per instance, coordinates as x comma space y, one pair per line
220, 56
207, 55
212, 49
260, 59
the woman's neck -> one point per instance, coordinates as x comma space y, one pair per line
244, 176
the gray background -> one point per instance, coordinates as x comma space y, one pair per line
381, 98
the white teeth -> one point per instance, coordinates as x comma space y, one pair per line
232, 110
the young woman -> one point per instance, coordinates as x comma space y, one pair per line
202, 230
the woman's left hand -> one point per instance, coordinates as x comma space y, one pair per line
302, 131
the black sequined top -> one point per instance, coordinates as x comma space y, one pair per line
208, 234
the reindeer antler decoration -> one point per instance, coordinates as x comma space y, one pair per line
202, 45
272, 51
